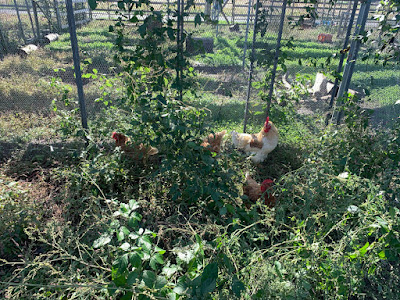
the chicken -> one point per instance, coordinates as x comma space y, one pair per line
254, 191
133, 151
257, 145
214, 141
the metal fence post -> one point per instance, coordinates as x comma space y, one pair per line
19, 21
30, 19
252, 58
351, 59
35, 14
276, 57
247, 33
3, 43
58, 16
77, 66
346, 41
179, 40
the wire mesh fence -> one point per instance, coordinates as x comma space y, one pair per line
219, 48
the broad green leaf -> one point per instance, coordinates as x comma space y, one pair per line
127, 296
145, 242
209, 278
156, 259
134, 236
186, 255
227, 263
278, 268
197, 20
149, 278
133, 204
125, 246
160, 282
92, 4
182, 285
120, 236
159, 250
132, 276
104, 239
223, 211
208, 286
364, 249
237, 286
170, 270
135, 260
121, 5
125, 230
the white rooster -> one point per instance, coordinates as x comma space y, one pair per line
257, 145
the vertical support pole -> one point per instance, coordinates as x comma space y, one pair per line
351, 59
179, 40
21, 29
346, 41
77, 66
30, 19
35, 15
252, 58
57, 9
276, 57
233, 12
247, 33
3, 42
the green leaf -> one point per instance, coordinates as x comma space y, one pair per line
132, 276
121, 5
227, 263
209, 279
170, 270
186, 255
156, 259
237, 286
133, 204
145, 242
223, 211
182, 286
92, 4
197, 20
160, 282
135, 260
125, 246
127, 296
364, 249
120, 236
278, 268
104, 239
133, 223
134, 19
382, 254
121, 264
149, 278
125, 230
159, 250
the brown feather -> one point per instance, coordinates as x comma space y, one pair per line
214, 141
138, 151
253, 191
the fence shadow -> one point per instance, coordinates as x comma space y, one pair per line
26, 163
385, 116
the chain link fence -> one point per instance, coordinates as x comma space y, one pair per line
219, 49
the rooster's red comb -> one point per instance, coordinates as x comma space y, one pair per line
114, 135
266, 122
266, 184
